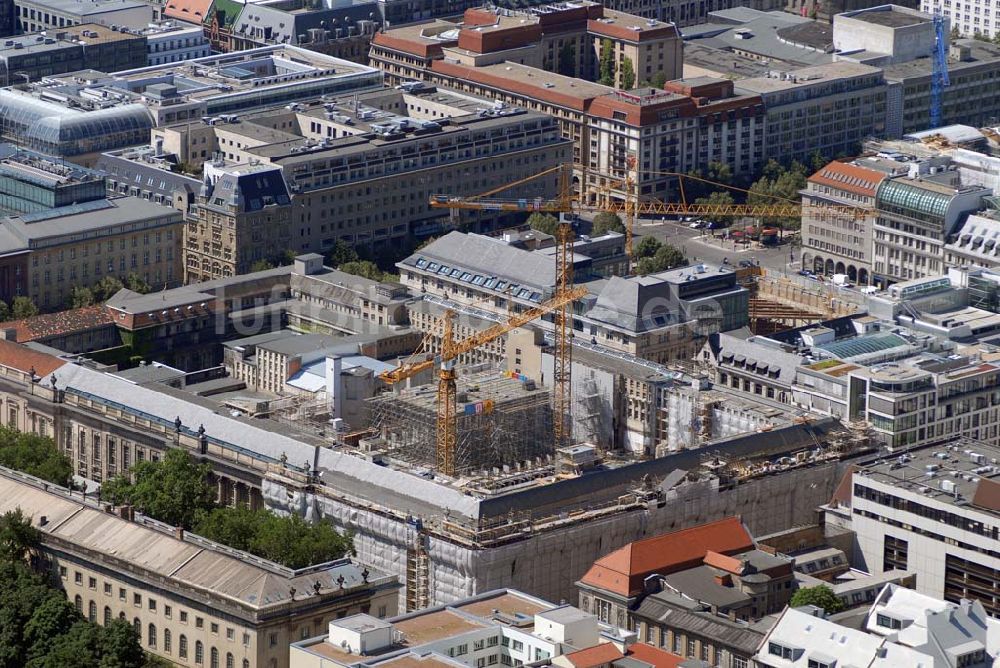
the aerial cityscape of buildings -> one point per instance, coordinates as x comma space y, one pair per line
570, 334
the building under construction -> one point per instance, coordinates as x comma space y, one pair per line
503, 421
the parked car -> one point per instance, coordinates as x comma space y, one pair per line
805, 272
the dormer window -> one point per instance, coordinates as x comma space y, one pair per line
887, 622
777, 649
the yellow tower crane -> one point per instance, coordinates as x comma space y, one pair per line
451, 349
632, 205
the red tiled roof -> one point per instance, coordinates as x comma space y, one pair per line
723, 562
849, 177
15, 356
192, 11
654, 656
64, 322
987, 494
594, 656
623, 571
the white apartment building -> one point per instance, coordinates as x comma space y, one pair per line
969, 16
497, 628
935, 511
902, 628
174, 42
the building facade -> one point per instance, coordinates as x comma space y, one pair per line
181, 607
914, 219
834, 241
38, 15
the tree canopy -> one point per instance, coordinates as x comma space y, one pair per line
35, 455
287, 540
647, 247
177, 490
607, 63
365, 269
665, 257
821, 596
605, 222
779, 184
172, 490
22, 307
544, 222
716, 198
628, 74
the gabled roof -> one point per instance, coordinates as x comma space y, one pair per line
622, 572
654, 656
849, 177
48, 325
24, 359
192, 11
594, 656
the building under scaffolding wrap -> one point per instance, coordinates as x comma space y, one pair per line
503, 423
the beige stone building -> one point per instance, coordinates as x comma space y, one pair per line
79, 245
191, 601
243, 215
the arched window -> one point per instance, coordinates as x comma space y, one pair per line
138, 628
230, 662
151, 637
246, 663
78, 602
214, 654
121, 615
182, 648
199, 652
107, 616
91, 612
166, 641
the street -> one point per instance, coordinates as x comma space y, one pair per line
700, 246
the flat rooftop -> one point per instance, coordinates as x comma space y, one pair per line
807, 76
931, 472
537, 77
890, 17
509, 603
88, 7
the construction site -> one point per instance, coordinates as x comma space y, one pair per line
502, 422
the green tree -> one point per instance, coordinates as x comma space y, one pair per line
605, 222
136, 283
290, 540
34, 455
665, 257
658, 80
628, 74
17, 536
544, 222
4, 311
817, 161
261, 265
647, 247
22, 307
341, 253
363, 268
716, 198
80, 296
173, 490
106, 288
821, 596
567, 60
607, 64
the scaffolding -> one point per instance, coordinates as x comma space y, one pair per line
504, 420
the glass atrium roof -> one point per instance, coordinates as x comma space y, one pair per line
903, 195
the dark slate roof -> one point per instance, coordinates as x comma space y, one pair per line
660, 607
737, 343
252, 186
284, 27
165, 183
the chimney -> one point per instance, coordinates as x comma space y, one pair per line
126, 512
43, 520
179, 533
724, 580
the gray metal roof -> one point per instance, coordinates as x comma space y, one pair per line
82, 218
193, 563
669, 609
485, 257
